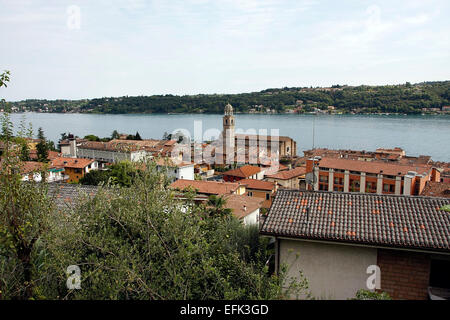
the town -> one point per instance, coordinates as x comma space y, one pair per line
344, 210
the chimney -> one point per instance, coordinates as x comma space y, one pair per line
73, 147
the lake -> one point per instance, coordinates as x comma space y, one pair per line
427, 135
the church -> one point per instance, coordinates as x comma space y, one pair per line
250, 148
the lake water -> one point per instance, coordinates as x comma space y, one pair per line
427, 135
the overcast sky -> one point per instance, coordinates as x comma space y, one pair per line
137, 47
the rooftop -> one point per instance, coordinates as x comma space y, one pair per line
288, 174
243, 172
78, 163
373, 166
65, 195
378, 220
258, 184
436, 189
206, 187
242, 206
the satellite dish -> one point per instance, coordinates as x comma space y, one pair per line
310, 178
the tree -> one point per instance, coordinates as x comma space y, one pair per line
137, 136
24, 209
115, 135
42, 147
140, 243
217, 206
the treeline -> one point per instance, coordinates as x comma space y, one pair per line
406, 98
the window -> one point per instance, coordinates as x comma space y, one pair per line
439, 273
250, 194
267, 196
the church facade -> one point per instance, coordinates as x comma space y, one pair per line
259, 149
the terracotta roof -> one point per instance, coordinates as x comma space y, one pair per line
243, 172
206, 187
379, 220
113, 145
79, 163
51, 155
242, 206
31, 166
372, 166
261, 137
288, 174
258, 184
436, 189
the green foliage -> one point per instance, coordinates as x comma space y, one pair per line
24, 209
42, 147
140, 243
407, 98
92, 137
122, 173
115, 135
363, 294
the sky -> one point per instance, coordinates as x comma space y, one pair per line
58, 49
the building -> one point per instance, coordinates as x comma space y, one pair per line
265, 190
244, 172
395, 155
209, 187
244, 208
289, 179
112, 151
34, 171
244, 148
75, 168
339, 236
175, 171
380, 177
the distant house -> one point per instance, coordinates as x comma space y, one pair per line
111, 152
244, 208
75, 168
176, 171
244, 172
289, 179
35, 171
209, 187
340, 236
260, 189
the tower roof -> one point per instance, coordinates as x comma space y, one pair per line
228, 110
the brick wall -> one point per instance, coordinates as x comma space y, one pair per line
404, 274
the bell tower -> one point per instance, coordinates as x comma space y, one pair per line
228, 132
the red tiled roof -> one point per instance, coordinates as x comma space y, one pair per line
258, 184
436, 189
79, 163
206, 187
242, 206
243, 172
51, 155
31, 166
412, 222
372, 166
288, 174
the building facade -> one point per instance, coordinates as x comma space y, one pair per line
348, 175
